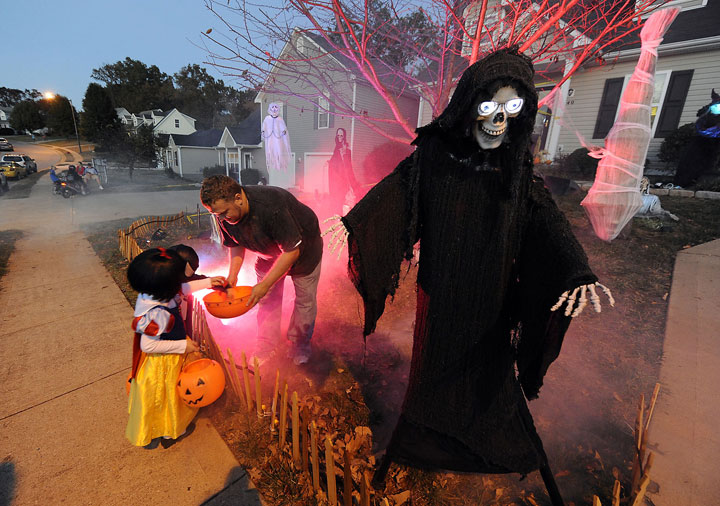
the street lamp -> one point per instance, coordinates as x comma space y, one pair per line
50, 96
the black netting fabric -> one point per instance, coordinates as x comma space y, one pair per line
495, 254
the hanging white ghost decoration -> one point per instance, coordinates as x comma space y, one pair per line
615, 195
277, 139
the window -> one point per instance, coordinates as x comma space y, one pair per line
608, 107
177, 123
233, 161
323, 115
175, 157
674, 102
472, 13
247, 160
666, 103
656, 102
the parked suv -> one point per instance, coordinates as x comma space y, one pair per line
23, 160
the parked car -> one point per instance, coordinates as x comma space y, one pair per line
13, 170
23, 160
5, 145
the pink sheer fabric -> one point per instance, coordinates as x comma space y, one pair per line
614, 197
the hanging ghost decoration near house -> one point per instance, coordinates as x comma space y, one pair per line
277, 139
615, 195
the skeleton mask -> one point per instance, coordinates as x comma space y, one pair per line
273, 109
490, 127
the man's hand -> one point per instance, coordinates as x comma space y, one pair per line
218, 281
571, 296
258, 292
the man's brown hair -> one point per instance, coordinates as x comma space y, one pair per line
218, 187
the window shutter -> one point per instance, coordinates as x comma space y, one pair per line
608, 107
285, 109
315, 115
674, 102
331, 119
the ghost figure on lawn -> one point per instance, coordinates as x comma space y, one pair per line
277, 139
495, 255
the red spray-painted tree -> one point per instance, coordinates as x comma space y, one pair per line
400, 47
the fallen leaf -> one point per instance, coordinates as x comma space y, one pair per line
400, 498
565, 472
209, 30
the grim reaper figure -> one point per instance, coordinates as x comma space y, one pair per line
495, 255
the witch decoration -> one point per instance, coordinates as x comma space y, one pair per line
277, 140
495, 254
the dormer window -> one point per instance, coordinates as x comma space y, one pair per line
177, 123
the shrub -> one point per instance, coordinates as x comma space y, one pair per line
383, 159
215, 170
577, 165
672, 144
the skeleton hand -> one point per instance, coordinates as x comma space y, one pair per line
571, 296
338, 234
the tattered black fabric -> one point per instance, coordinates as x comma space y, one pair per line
495, 254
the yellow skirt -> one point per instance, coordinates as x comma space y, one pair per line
154, 405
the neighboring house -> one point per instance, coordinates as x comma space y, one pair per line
170, 122
125, 117
235, 148
188, 154
688, 68
173, 122
5, 117
312, 124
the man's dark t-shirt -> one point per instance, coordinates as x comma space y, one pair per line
277, 223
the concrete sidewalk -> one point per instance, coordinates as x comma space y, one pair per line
687, 448
64, 356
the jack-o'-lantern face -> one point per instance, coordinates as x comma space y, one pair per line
201, 383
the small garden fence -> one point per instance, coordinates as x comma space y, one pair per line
309, 453
128, 237
299, 440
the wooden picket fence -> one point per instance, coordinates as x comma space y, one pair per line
640, 477
311, 452
128, 237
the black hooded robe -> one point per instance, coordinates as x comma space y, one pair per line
495, 254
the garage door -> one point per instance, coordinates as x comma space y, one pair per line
316, 172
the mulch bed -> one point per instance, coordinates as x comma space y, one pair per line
586, 410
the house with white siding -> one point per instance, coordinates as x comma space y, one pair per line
234, 148
312, 119
169, 122
5, 113
688, 68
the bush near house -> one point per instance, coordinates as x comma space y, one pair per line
383, 159
577, 165
672, 145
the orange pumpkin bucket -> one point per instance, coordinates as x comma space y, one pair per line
228, 303
201, 383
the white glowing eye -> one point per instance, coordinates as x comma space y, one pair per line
514, 105
486, 108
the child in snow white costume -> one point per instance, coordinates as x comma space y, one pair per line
158, 348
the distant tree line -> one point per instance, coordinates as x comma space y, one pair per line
137, 87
